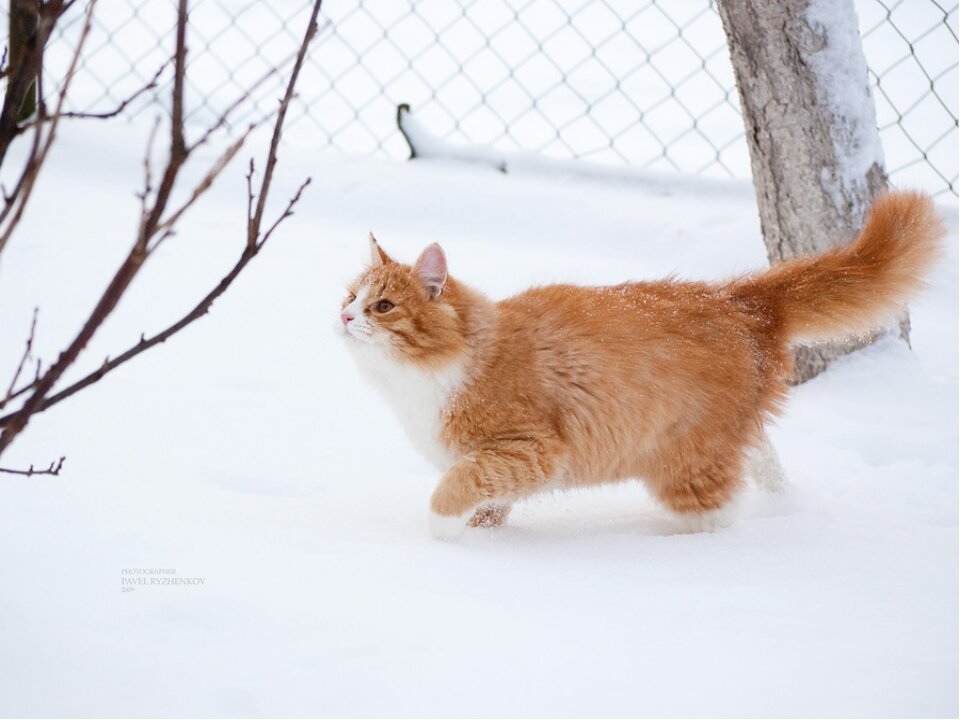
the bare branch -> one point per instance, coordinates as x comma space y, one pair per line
134, 261
278, 126
178, 149
52, 469
151, 226
178, 146
199, 310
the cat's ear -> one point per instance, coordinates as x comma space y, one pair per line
377, 256
431, 268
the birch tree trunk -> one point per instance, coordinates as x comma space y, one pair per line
811, 128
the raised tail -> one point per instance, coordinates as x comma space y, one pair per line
856, 288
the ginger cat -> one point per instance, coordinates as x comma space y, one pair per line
670, 382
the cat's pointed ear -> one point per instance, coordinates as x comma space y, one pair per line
377, 256
431, 268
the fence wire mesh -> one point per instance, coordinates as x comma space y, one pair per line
645, 83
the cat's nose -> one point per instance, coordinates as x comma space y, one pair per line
346, 318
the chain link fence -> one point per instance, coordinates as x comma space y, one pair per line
647, 83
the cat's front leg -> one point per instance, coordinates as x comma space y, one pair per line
459, 494
489, 477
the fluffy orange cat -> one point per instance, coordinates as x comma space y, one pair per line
670, 382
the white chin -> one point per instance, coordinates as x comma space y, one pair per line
365, 339
357, 338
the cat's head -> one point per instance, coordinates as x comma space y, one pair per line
409, 311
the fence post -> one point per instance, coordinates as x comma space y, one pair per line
811, 129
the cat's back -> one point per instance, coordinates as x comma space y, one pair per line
627, 341
629, 311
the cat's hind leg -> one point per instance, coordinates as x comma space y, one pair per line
763, 465
700, 492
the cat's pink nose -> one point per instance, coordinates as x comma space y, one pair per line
346, 318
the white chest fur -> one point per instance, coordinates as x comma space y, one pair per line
419, 399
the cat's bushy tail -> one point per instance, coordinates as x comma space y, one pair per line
855, 288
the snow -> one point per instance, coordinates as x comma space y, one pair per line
842, 70
248, 452
425, 145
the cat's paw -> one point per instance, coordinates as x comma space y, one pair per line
448, 527
707, 521
763, 466
488, 516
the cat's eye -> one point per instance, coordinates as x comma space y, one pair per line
350, 298
383, 306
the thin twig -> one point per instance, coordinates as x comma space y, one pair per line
148, 170
238, 101
251, 240
287, 212
23, 359
26, 388
151, 85
52, 469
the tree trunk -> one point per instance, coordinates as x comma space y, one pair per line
811, 128
24, 16
24, 62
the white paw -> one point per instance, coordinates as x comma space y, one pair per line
448, 527
763, 465
707, 521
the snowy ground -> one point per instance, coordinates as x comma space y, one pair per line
247, 452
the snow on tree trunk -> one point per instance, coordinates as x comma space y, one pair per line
811, 128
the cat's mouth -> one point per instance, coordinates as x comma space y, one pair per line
358, 333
